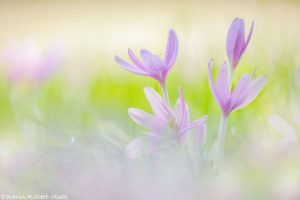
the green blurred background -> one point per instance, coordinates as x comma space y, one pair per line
90, 90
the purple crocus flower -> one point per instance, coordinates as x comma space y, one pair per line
244, 92
236, 44
176, 122
152, 65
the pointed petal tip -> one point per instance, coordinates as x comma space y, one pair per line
180, 90
172, 32
116, 57
147, 89
210, 63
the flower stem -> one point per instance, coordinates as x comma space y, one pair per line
165, 93
221, 142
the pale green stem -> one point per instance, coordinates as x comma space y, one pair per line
165, 93
221, 139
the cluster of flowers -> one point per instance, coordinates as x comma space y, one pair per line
175, 123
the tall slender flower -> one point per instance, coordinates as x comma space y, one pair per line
244, 93
152, 65
236, 44
176, 122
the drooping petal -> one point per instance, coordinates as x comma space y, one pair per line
253, 90
171, 49
157, 104
211, 82
129, 67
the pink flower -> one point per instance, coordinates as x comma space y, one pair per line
164, 120
244, 92
152, 65
26, 62
236, 44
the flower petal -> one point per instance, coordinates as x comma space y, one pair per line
182, 111
235, 45
248, 39
157, 104
135, 60
196, 123
139, 116
212, 86
200, 133
145, 54
171, 49
129, 67
222, 84
153, 63
144, 119
232, 38
240, 92
254, 89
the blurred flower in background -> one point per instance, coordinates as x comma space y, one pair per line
27, 63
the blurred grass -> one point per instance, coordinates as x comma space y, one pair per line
92, 88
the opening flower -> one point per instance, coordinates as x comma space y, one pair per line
236, 44
176, 122
244, 92
153, 65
